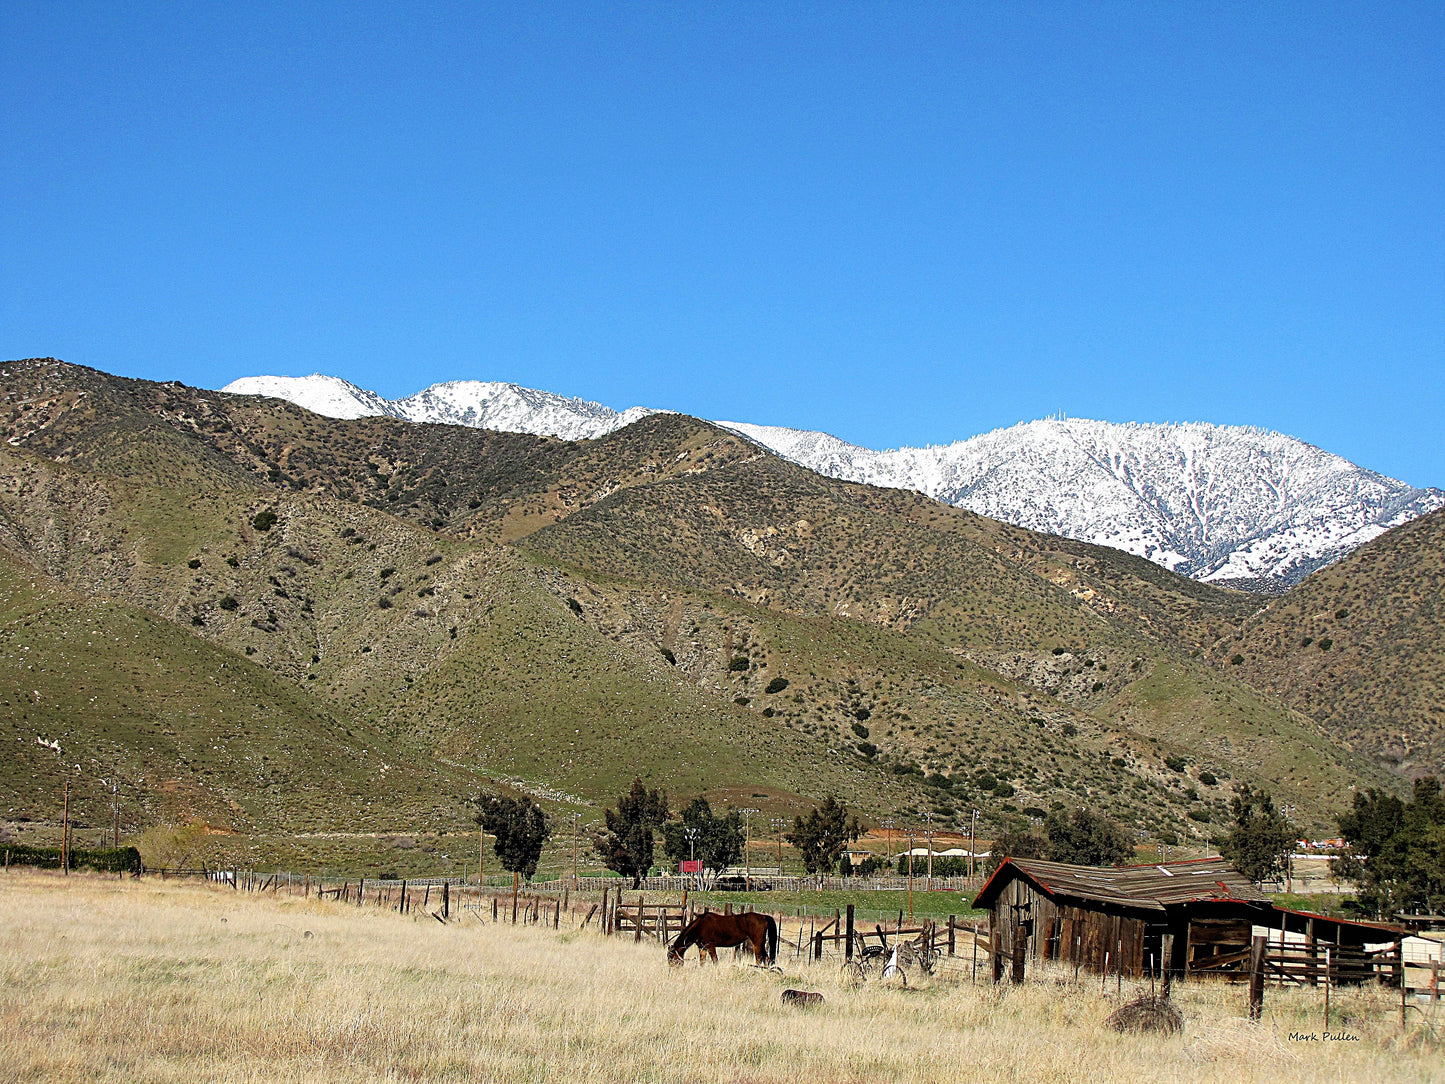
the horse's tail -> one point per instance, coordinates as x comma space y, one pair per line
772, 939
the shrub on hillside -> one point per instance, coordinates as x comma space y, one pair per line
777, 685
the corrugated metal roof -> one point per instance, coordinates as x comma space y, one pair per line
1148, 888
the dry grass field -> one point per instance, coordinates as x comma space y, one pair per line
108, 980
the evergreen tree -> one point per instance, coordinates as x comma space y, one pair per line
1261, 840
1012, 844
520, 828
1395, 850
1086, 839
822, 836
626, 846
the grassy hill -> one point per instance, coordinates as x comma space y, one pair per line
1360, 647
1081, 628
192, 731
562, 616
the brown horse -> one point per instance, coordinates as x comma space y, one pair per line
711, 931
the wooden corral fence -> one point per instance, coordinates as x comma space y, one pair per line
659, 921
1295, 964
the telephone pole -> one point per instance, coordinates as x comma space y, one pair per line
115, 808
928, 819
747, 842
65, 831
972, 843
910, 873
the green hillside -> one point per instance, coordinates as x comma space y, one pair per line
560, 617
191, 731
1360, 647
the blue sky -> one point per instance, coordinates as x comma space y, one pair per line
901, 223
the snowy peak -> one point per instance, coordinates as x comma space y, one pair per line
329, 396
1215, 502
514, 409
478, 404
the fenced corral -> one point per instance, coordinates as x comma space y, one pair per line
970, 951
335, 992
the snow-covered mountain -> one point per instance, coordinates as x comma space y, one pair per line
480, 404
1214, 502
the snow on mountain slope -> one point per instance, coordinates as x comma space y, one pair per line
1214, 502
475, 403
329, 396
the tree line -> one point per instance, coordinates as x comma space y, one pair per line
627, 842
1394, 849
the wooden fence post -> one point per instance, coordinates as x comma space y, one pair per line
952, 923
639, 919
1256, 976
1404, 978
1166, 956
848, 949
446, 900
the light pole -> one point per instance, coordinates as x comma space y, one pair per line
575, 818
747, 842
928, 819
692, 834
910, 873
973, 844
1289, 858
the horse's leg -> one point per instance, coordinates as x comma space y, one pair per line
712, 952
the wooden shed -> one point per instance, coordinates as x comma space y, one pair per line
1168, 918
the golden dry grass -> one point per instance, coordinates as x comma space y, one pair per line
107, 980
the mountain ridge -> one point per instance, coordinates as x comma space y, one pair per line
1238, 505
648, 589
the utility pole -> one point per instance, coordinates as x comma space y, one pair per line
575, 818
1289, 858
973, 844
481, 853
779, 823
692, 834
747, 842
928, 818
115, 808
887, 826
65, 831
910, 873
